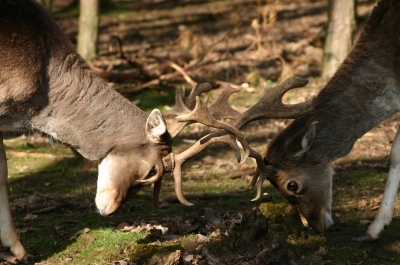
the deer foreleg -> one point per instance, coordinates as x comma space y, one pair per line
8, 233
385, 212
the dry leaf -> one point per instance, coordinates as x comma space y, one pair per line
365, 222
216, 233
362, 203
137, 229
187, 259
322, 251
30, 217
202, 239
122, 226
163, 229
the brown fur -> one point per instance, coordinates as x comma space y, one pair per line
45, 85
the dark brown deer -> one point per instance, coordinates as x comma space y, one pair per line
364, 91
45, 85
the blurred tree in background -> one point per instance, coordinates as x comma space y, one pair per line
339, 34
88, 29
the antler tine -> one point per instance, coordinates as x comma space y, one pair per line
156, 192
220, 108
184, 105
180, 158
195, 92
201, 114
270, 105
254, 179
262, 172
180, 108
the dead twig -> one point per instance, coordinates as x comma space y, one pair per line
182, 72
224, 83
46, 210
345, 207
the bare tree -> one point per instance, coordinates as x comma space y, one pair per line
338, 41
88, 28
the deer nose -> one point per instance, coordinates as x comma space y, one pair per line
103, 204
103, 212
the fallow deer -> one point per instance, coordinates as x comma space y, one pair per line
364, 91
46, 86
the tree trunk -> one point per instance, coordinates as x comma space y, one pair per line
88, 29
339, 35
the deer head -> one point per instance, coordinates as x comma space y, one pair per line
143, 164
297, 181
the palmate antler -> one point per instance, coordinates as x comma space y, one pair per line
192, 109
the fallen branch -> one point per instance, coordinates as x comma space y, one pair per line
46, 210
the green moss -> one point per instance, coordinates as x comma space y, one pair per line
273, 210
142, 252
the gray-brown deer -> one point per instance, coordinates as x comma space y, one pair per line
46, 86
364, 91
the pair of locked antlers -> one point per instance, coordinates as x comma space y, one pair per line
191, 109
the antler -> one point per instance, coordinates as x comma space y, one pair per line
185, 105
193, 150
206, 115
269, 106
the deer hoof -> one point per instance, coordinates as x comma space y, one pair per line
365, 238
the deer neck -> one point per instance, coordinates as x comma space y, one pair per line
83, 112
360, 95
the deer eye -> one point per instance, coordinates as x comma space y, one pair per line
292, 186
152, 172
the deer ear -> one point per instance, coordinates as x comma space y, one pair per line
302, 141
156, 126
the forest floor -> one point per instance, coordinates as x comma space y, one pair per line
170, 43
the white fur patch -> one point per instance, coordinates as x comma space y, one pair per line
385, 213
105, 168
